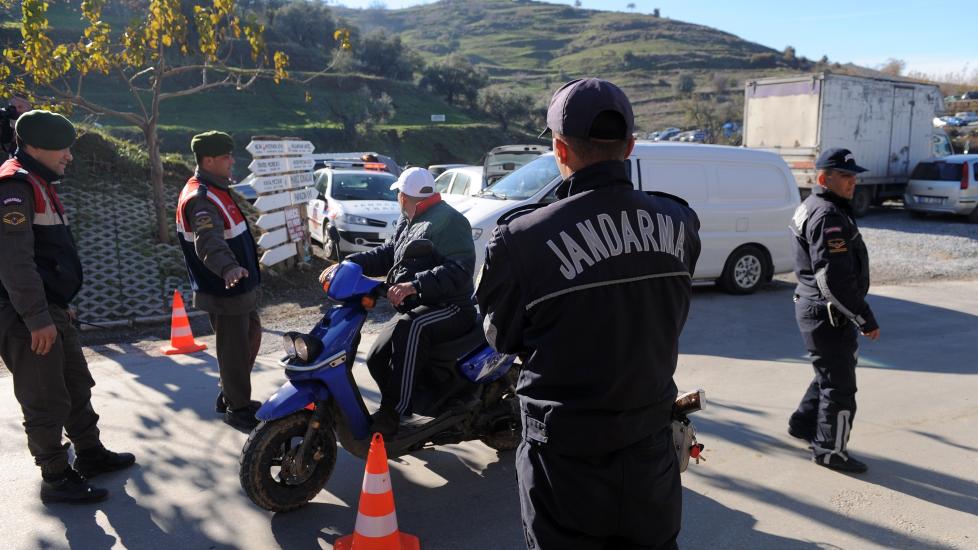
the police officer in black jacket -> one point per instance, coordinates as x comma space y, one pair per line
593, 291
832, 267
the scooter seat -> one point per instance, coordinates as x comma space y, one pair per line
452, 350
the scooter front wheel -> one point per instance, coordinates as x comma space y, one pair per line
272, 474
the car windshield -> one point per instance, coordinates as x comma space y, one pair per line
515, 159
937, 171
363, 187
526, 181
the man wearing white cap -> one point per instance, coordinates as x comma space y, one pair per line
441, 282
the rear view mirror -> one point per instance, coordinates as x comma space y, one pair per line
419, 248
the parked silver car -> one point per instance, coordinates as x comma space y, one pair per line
946, 185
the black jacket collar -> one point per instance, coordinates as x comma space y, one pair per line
826, 194
211, 179
34, 166
601, 174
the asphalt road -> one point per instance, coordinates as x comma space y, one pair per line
918, 408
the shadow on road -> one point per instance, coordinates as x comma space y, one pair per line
913, 480
134, 523
762, 327
709, 524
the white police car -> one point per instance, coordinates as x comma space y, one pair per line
355, 208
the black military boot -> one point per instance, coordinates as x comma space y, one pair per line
99, 460
845, 464
69, 487
385, 421
221, 405
801, 433
243, 419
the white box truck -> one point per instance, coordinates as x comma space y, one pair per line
886, 123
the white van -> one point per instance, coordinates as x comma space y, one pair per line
744, 199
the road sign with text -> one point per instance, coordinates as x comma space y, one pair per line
281, 165
268, 148
283, 180
271, 184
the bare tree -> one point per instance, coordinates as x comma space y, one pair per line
893, 67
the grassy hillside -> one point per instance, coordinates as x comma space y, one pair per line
536, 46
532, 46
270, 109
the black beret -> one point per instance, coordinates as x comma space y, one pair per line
45, 130
211, 144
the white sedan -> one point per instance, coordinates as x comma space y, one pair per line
354, 210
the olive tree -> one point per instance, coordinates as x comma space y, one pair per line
153, 57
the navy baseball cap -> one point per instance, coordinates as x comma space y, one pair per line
590, 108
838, 159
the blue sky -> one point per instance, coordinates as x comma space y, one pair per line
935, 37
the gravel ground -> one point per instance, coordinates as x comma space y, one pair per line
901, 249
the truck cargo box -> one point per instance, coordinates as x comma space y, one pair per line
886, 123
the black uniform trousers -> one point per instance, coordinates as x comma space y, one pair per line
54, 390
828, 408
238, 341
401, 348
627, 499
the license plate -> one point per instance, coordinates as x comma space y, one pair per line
931, 200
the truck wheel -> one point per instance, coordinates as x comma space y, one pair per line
745, 271
268, 472
861, 201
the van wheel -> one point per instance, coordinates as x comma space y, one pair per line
745, 271
973, 216
861, 201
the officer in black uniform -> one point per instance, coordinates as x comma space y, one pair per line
832, 267
40, 275
592, 291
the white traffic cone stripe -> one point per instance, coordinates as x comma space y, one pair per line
177, 332
179, 312
376, 527
376, 484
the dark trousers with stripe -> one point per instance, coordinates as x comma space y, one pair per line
54, 390
238, 342
627, 499
401, 349
828, 407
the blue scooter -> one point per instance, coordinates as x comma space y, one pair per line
466, 391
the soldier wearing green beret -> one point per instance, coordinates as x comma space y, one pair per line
222, 261
40, 275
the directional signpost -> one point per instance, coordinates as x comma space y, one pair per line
283, 180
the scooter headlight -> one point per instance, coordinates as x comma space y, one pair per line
288, 343
307, 348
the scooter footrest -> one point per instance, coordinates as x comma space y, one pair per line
415, 421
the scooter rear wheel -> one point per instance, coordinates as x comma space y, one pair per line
268, 473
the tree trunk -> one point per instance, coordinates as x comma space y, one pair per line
156, 180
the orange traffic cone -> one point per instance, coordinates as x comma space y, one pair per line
376, 527
181, 337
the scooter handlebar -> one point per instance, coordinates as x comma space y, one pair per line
408, 304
